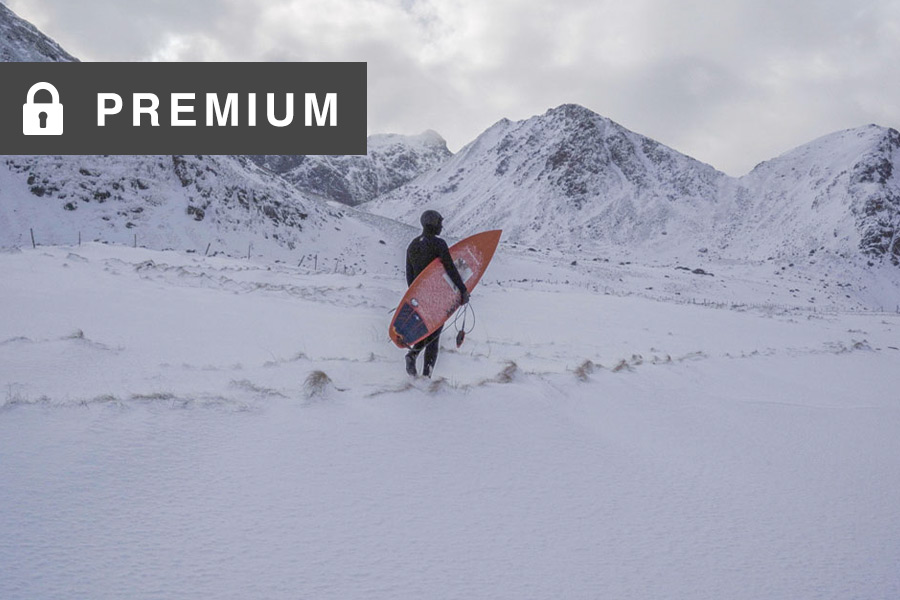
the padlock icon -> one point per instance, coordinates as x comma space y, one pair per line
42, 118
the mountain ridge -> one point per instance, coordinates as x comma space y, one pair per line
572, 178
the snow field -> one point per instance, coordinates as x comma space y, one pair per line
163, 435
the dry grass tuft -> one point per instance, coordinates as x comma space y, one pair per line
316, 384
585, 369
622, 366
508, 373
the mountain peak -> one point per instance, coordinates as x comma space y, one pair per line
428, 139
431, 137
577, 117
848, 146
571, 110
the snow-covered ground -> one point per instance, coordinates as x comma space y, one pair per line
177, 426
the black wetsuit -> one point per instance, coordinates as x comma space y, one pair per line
419, 254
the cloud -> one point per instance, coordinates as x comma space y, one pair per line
731, 82
113, 29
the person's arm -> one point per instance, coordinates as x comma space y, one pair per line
447, 261
410, 276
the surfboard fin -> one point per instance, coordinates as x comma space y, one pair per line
460, 337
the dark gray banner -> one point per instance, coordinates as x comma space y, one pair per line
182, 108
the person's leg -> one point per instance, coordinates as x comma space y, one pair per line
411, 361
431, 352
413, 354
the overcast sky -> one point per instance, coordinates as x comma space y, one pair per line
730, 82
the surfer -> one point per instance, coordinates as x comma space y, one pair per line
421, 251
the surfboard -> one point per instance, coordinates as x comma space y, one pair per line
433, 297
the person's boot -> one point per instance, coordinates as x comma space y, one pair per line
411, 364
426, 371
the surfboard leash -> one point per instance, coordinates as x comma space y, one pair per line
462, 331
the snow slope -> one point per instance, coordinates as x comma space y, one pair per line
179, 426
215, 204
837, 194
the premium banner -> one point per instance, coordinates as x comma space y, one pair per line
183, 108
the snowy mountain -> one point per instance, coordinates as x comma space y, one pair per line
20, 41
571, 178
391, 160
564, 179
839, 193
198, 203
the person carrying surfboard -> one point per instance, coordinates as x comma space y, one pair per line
421, 251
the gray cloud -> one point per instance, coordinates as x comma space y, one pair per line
730, 82
113, 29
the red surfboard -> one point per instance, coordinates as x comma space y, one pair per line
433, 297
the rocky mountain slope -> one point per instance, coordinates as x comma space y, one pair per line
839, 194
391, 160
196, 203
20, 41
